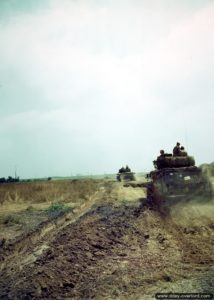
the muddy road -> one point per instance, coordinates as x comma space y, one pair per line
118, 248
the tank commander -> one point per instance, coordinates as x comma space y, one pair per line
122, 170
177, 150
183, 152
162, 153
127, 169
160, 159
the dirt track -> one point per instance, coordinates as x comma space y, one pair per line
119, 249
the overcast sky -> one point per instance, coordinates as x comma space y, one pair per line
89, 86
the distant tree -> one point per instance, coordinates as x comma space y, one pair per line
2, 180
10, 179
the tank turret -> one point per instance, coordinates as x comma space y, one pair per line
169, 161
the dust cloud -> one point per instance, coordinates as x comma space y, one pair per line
198, 211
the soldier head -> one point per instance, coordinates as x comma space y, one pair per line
182, 147
161, 152
178, 144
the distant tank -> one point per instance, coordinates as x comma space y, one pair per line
176, 178
125, 174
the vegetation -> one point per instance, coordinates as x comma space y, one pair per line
62, 191
9, 179
11, 220
56, 209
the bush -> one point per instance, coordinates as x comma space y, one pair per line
57, 207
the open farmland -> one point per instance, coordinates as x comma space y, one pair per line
96, 239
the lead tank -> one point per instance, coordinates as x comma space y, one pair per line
176, 178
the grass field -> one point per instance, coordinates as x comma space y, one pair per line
24, 205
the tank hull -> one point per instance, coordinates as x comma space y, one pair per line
126, 176
170, 185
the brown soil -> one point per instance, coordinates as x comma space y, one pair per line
118, 249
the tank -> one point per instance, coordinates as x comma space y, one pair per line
126, 176
176, 178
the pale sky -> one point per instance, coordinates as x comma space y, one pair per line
89, 86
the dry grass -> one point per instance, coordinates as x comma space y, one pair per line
47, 191
24, 205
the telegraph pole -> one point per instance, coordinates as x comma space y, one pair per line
15, 172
